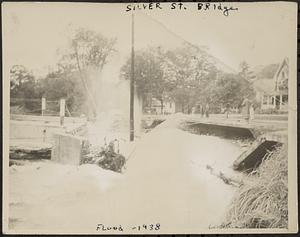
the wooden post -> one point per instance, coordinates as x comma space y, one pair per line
62, 108
43, 105
280, 102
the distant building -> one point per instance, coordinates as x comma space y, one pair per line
273, 93
156, 108
281, 85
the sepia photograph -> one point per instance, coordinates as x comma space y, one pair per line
149, 118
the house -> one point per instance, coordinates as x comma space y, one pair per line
281, 79
265, 93
169, 107
156, 108
273, 93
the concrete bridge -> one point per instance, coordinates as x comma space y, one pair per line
264, 136
235, 124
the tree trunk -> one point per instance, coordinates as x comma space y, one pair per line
94, 107
150, 104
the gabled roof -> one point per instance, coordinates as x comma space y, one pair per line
282, 64
267, 86
285, 62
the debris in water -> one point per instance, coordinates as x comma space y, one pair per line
32, 151
16, 162
106, 157
225, 179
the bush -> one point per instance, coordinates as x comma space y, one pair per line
270, 111
106, 157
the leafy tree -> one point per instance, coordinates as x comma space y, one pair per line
232, 89
22, 82
148, 73
244, 69
23, 89
57, 85
194, 73
181, 74
88, 51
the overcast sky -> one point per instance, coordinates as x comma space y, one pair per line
258, 33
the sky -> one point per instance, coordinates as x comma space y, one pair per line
259, 33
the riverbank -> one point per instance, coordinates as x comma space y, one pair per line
262, 200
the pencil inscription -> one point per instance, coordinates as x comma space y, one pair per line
151, 227
202, 7
216, 7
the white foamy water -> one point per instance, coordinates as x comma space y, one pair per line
166, 182
112, 96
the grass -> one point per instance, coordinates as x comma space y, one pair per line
262, 200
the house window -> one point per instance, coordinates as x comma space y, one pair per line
273, 100
285, 99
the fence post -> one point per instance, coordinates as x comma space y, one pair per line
62, 111
43, 105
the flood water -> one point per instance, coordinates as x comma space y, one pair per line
166, 182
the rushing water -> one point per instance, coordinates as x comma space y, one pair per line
166, 182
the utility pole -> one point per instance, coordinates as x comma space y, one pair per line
62, 109
43, 105
132, 82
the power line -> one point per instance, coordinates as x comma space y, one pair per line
197, 47
189, 43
